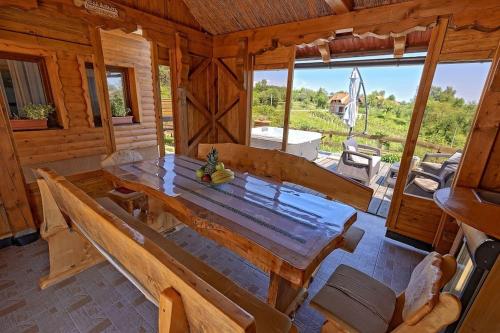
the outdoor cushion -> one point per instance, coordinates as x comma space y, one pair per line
122, 157
422, 292
426, 184
356, 301
376, 160
431, 167
455, 158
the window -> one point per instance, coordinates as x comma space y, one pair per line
119, 92
24, 87
94, 101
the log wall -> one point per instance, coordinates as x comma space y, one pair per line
77, 147
133, 51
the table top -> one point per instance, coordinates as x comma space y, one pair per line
466, 206
276, 226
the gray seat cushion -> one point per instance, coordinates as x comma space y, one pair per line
356, 301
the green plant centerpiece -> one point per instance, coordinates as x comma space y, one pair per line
38, 111
214, 171
118, 108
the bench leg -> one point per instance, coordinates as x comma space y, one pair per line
172, 317
69, 252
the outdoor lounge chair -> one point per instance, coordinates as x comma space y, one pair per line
352, 301
430, 177
433, 167
359, 162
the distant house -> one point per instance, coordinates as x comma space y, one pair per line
338, 102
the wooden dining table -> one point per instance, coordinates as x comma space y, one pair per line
278, 227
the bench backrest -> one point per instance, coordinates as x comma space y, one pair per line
286, 167
143, 253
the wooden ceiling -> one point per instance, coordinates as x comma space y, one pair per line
224, 16
345, 46
174, 10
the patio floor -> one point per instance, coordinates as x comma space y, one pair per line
382, 192
100, 299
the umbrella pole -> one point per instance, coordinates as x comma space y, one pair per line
362, 84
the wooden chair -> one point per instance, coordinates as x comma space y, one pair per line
359, 162
191, 296
129, 200
352, 301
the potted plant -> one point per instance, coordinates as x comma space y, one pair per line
35, 117
120, 114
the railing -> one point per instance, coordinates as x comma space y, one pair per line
384, 138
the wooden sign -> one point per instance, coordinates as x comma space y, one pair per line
98, 8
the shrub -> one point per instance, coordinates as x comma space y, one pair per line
391, 158
38, 111
118, 108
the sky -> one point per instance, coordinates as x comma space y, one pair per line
466, 78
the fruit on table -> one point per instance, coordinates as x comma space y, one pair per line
200, 172
222, 176
206, 178
219, 166
212, 159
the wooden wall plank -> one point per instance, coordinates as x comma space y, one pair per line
133, 51
481, 154
12, 191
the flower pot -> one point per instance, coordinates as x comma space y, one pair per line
28, 124
261, 123
122, 120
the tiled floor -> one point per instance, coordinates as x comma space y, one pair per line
102, 300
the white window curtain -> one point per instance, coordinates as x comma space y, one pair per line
27, 82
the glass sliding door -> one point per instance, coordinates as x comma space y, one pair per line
268, 108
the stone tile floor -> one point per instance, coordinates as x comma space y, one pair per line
102, 300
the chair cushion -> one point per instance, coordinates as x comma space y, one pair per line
430, 167
426, 184
422, 292
267, 319
455, 158
121, 157
356, 301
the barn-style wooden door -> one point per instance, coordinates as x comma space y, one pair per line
211, 97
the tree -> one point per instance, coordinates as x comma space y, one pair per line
164, 77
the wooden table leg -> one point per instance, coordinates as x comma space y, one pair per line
283, 295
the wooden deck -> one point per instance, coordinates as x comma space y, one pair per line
382, 192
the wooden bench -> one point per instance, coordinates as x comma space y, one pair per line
286, 167
184, 287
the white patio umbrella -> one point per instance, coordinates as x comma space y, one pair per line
351, 109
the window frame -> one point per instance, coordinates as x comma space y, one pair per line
44, 74
85, 65
129, 89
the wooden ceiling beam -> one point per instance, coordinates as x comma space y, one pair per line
340, 6
400, 16
324, 49
399, 46
24, 4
